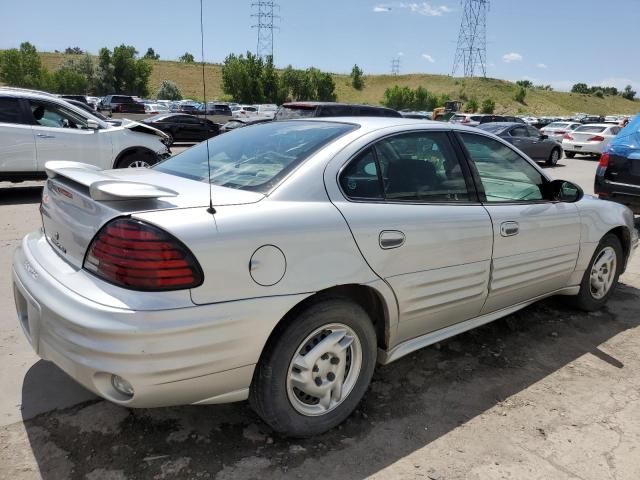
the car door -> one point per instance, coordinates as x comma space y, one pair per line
413, 211
519, 137
17, 143
541, 148
536, 240
62, 134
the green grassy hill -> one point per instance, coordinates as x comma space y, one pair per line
538, 102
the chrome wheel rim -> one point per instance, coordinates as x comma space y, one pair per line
139, 164
324, 369
603, 273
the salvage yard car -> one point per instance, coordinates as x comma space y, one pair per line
36, 127
280, 262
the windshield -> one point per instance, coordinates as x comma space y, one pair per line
254, 158
288, 112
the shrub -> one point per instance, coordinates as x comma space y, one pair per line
471, 106
488, 106
169, 91
357, 78
520, 95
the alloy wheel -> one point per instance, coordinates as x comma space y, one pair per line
603, 273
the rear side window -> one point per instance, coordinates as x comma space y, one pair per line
10, 110
361, 179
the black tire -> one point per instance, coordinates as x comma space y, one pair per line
554, 157
129, 160
268, 394
585, 299
569, 154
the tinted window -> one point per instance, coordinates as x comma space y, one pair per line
336, 111
10, 110
421, 166
361, 178
519, 132
120, 99
255, 158
533, 132
505, 175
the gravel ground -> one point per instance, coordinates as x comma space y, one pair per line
546, 393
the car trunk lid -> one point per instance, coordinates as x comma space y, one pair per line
585, 134
79, 199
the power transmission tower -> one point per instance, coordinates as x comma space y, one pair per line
265, 17
395, 66
472, 39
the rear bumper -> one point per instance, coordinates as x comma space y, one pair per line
628, 195
200, 354
577, 147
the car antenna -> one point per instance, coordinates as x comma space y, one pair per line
210, 210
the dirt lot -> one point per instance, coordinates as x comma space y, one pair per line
547, 393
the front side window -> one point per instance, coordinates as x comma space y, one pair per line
411, 167
505, 175
254, 158
519, 132
533, 132
51, 115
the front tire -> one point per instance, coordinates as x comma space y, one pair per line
601, 277
314, 372
554, 156
569, 154
137, 160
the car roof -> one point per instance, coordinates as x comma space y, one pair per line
505, 124
316, 104
26, 93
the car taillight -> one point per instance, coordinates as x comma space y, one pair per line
559, 132
604, 160
596, 138
135, 255
567, 137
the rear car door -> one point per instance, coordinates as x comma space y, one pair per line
62, 134
519, 137
414, 213
540, 148
536, 241
17, 143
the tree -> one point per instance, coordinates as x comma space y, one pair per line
73, 51
628, 93
151, 54
187, 58
83, 66
357, 78
524, 83
241, 77
67, 80
580, 88
488, 106
520, 95
168, 91
399, 98
104, 78
599, 93
472, 105
130, 75
273, 91
22, 67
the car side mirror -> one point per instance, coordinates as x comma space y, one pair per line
564, 191
93, 125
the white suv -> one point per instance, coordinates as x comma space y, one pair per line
36, 127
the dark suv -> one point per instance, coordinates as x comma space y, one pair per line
618, 173
292, 110
120, 104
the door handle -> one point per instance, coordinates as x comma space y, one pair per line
44, 135
509, 229
391, 239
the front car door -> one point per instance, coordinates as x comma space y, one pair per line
536, 240
413, 211
17, 143
519, 137
62, 134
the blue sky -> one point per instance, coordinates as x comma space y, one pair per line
557, 42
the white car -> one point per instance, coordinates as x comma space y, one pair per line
244, 111
266, 110
155, 108
589, 139
557, 130
37, 127
468, 119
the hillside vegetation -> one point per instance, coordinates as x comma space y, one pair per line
538, 102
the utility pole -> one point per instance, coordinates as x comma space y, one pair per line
395, 66
265, 24
471, 51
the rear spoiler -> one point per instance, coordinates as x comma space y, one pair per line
102, 186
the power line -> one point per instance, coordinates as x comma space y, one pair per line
471, 51
265, 17
395, 66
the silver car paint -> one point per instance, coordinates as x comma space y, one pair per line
162, 341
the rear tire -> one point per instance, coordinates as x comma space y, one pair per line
554, 156
569, 154
601, 277
313, 373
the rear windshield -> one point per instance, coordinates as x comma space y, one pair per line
558, 125
254, 158
492, 127
118, 99
590, 129
458, 117
288, 112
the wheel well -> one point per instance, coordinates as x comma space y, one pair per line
625, 240
364, 296
131, 151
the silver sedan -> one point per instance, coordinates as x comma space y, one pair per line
280, 262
